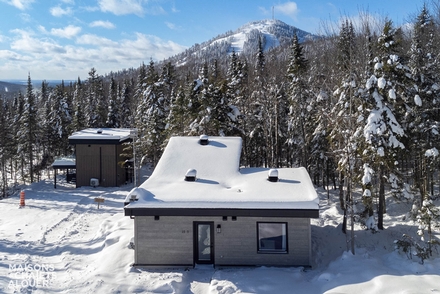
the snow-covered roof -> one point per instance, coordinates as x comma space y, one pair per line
220, 183
97, 135
64, 162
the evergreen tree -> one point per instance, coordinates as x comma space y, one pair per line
97, 104
257, 118
79, 116
113, 118
60, 121
28, 128
177, 119
383, 132
5, 146
299, 99
123, 103
151, 116
423, 121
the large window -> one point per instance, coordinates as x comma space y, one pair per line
272, 237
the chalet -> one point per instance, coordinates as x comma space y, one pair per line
200, 207
98, 156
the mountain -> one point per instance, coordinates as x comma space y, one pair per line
8, 90
273, 33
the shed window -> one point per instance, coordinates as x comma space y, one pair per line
272, 237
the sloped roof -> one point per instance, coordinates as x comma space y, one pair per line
220, 185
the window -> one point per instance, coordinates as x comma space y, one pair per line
272, 237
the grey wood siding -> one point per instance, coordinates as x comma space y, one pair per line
101, 162
169, 241
87, 164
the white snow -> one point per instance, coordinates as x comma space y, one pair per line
60, 242
418, 100
239, 38
119, 134
381, 82
433, 152
64, 161
392, 94
220, 182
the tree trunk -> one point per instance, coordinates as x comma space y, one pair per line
381, 207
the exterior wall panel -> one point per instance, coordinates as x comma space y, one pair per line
87, 164
101, 162
108, 166
169, 241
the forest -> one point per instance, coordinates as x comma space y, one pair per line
359, 108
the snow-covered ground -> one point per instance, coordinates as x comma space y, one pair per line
60, 242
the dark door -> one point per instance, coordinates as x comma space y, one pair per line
204, 242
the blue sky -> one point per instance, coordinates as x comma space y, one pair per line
64, 39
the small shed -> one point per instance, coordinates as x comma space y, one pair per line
199, 206
65, 163
98, 156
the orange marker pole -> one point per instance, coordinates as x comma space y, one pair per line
22, 195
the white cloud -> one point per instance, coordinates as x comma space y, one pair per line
57, 11
90, 39
170, 25
20, 4
68, 59
121, 7
68, 32
102, 24
11, 56
289, 8
25, 17
26, 43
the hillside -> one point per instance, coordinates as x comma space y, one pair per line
8, 90
272, 33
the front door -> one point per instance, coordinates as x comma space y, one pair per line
204, 242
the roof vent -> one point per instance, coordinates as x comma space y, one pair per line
190, 175
273, 175
99, 131
204, 140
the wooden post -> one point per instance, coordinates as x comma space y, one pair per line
55, 178
99, 200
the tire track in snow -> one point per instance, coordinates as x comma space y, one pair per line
77, 220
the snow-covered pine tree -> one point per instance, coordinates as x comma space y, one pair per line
5, 146
113, 117
257, 117
79, 118
383, 131
151, 116
124, 105
299, 99
29, 125
423, 90
237, 93
60, 121
97, 104
141, 85
177, 119
343, 135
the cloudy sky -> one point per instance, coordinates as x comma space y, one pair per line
64, 39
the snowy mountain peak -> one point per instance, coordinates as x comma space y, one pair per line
272, 33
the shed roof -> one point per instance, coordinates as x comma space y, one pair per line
220, 185
101, 136
64, 162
